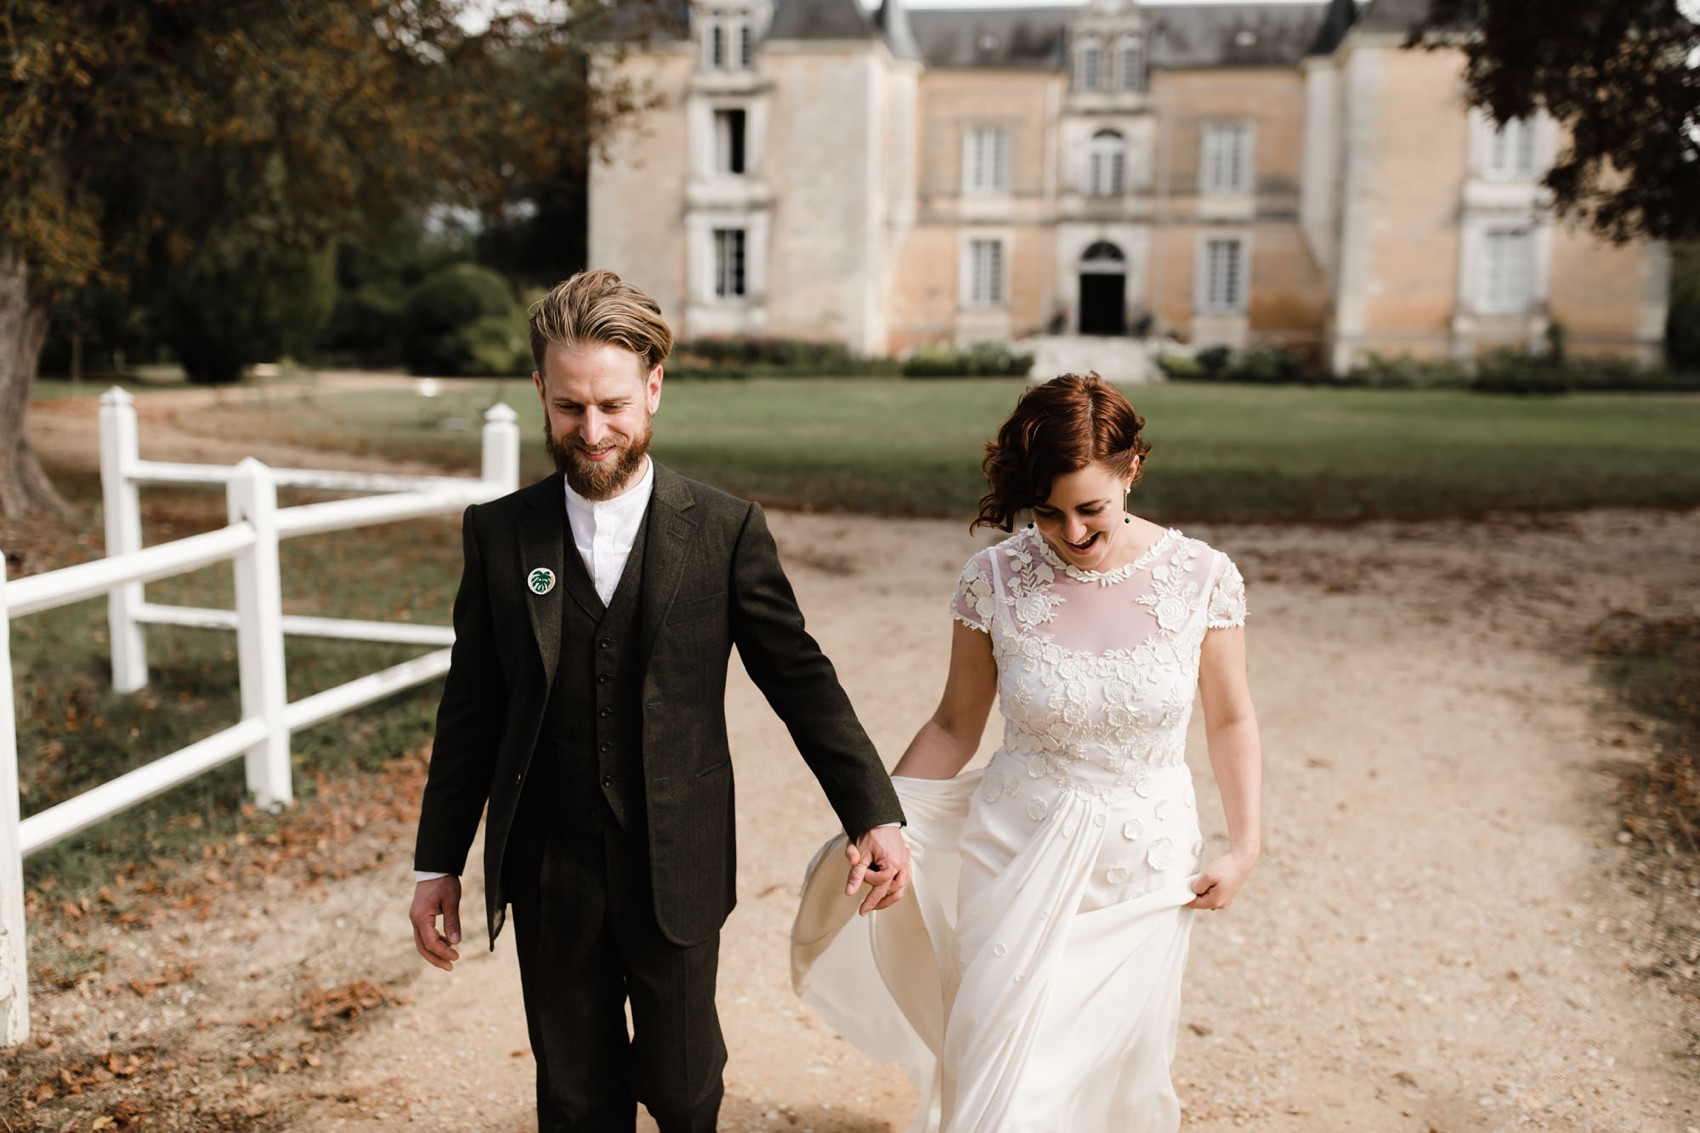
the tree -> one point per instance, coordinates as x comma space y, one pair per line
1623, 79
140, 134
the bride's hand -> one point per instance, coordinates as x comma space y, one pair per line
1219, 883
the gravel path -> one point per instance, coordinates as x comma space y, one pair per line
1437, 938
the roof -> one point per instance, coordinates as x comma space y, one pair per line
820, 19
1026, 38
1342, 14
636, 21
1233, 35
893, 21
1397, 16
1183, 35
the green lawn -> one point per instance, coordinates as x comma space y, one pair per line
1219, 452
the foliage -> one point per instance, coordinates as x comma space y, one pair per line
1618, 75
981, 360
376, 271
140, 136
218, 316
1261, 364
437, 322
1180, 367
741, 356
1402, 371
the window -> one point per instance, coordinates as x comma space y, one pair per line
985, 273
729, 142
746, 44
729, 263
985, 160
1130, 75
1224, 276
1088, 65
1511, 151
1107, 159
728, 41
1506, 282
1225, 164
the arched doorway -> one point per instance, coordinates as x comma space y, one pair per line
1103, 290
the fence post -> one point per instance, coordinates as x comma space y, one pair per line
501, 447
252, 496
14, 969
120, 451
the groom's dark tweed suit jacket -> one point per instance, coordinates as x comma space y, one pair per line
711, 579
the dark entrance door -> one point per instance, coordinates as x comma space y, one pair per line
1103, 303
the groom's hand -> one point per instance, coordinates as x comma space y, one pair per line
879, 858
438, 897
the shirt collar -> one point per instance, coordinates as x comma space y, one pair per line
632, 501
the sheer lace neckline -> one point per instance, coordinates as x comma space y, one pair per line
1104, 577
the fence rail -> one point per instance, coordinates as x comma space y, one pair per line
261, 737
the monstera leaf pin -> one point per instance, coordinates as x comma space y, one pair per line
541, 580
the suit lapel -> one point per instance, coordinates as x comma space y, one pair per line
542, 541
671, 529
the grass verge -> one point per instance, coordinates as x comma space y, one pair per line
1219, 453
1655, 668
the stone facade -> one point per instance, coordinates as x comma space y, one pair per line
1228, 174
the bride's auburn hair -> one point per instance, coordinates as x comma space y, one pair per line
1060, 427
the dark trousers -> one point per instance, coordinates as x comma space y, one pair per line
584, 925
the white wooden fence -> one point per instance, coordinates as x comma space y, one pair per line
261, 737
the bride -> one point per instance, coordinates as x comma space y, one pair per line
1033, 983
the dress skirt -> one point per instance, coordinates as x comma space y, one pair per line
1031, 981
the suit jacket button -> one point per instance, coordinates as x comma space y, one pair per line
606, 745
604, 678
606, 643
607, 780
607, 710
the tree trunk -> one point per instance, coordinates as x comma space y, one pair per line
24, 488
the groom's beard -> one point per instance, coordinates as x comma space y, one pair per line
599, 479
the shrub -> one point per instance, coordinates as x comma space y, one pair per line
221, 312
1520, 372
1180, 367
442, 308
741, 357
1402, 371
982, 360
1268, 365
1265, 363
1213, 363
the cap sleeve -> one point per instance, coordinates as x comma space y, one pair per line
1227, 597
975, 599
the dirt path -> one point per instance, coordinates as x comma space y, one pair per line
1439, 937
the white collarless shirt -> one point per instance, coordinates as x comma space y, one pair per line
604, 530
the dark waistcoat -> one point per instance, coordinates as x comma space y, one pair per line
592, 738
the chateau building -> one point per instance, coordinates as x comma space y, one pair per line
1215, 174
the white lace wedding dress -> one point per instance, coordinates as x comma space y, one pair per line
1032, 982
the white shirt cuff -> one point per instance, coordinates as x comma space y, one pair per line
427, 875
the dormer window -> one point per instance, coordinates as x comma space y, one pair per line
728, 40
1088, 64
1130, 65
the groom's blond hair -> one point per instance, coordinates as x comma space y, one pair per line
599, 308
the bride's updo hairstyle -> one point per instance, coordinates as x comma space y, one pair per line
1057, 428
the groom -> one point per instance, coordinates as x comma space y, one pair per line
585, 709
